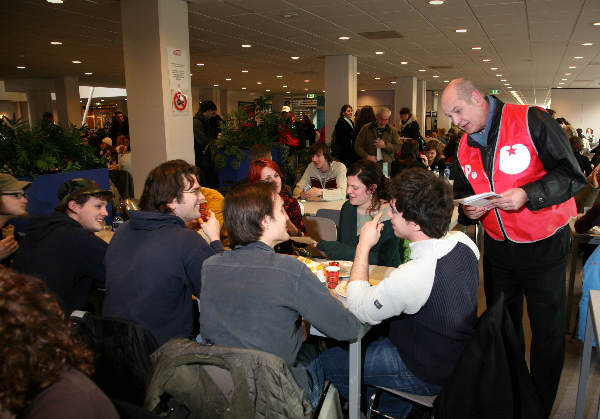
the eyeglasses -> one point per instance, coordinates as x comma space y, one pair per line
195, 191
17, 195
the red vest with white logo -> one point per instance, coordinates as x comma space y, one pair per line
516, 163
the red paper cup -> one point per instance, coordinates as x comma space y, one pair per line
203, 211
333, 276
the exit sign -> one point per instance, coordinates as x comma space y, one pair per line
494, 92
311, 95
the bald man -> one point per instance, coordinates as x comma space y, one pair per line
523, 155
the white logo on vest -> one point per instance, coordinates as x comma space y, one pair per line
467, 169
514, 159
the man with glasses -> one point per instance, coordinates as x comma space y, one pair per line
378, 141
61, 248
13, 203
154, 263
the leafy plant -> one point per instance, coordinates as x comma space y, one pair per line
45, 148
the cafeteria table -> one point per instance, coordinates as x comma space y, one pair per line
312, 206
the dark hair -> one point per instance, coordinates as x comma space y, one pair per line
207, 105
322, 148
576, 143
245, 208
365, 116
344, 110
562, 121
80, 199
410, 150
259, 151
370, 174
165, 183
405, 111
435, 145
37, 344
425, 199
256, 167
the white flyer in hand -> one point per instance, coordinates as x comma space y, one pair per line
479, 200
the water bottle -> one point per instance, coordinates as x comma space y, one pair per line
117, 221
447, 173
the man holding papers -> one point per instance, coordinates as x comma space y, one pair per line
522, 154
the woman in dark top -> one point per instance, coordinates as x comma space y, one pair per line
435, 158
43, 373
365, 115
409, 157
343, 134
584, 162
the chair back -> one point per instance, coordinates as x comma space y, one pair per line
122, 351
332, 214
320, 228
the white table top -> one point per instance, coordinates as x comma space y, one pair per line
311, 207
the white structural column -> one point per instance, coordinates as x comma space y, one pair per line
340, 88
405, 95
157, 66
67, 101
39, 101
420, 109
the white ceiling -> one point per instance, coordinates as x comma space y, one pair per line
532, 42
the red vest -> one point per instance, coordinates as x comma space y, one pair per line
516, 163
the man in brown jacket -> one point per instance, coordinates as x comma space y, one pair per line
378, 141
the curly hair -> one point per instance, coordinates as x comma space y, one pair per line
370, 174
424, 199
37, 343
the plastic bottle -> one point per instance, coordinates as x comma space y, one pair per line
117, 221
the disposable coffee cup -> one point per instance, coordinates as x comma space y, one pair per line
333, 276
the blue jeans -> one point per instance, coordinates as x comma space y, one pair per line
382, 366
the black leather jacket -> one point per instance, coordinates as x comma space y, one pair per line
563, 178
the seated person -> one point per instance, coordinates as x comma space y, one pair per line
429, 303
435, 158
268, 171
154, 263
44, 369
367, 195
13, 203
62, 249
409, 157
323, 178
254, 298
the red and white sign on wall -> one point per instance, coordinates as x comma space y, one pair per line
179, 81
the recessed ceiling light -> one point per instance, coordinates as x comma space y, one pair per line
486, 60
577, 58
228, 79
55, 1
362, 90
306, 81
446, 81
498, 75
76, 62
279, 76
564, 79
568, 74
559, 87
259, 82
493, 68
21, 67
572, 66
377, 78
88, 74
215, 85
246, 46
476, 48
267, 90
507, 84
288, 92
562, 82
586, 44
393, 82
200, 64
191, 74
357, 73
295, 58
436, 2
323, 91
460, 30
502, 79
55, 43
343, 38
422, 69
403, 62
290, 15
305, 88
244, 71
101, 100
596, 23
243, 88
284, 86
379, 52
435, 76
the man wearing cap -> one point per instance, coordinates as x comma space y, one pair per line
61, 248
13, 203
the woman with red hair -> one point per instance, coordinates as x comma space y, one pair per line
268, 171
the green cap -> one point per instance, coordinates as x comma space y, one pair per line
80, 186
10, 184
